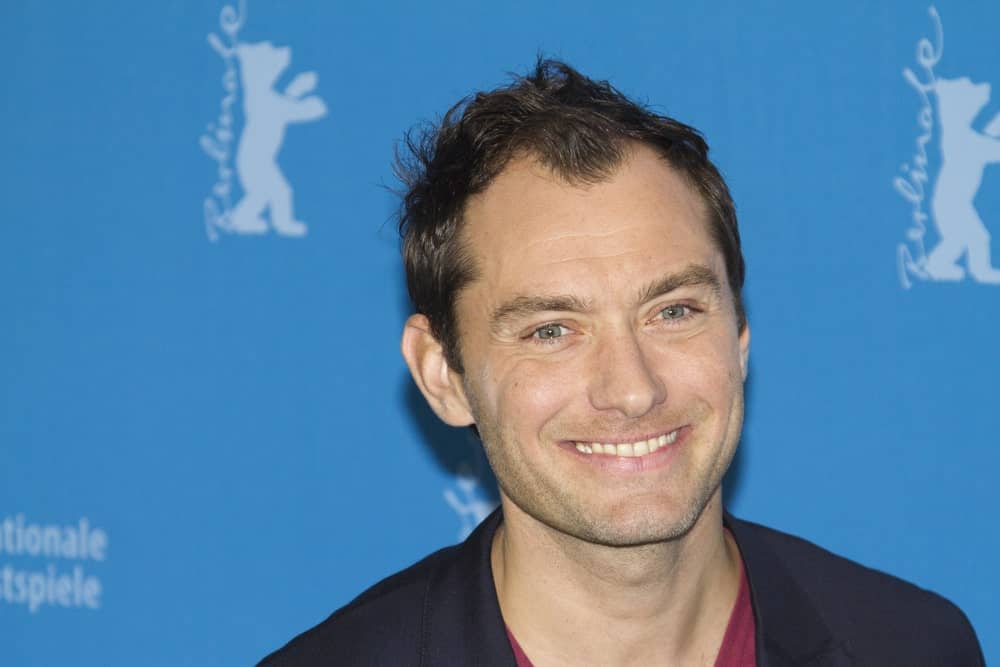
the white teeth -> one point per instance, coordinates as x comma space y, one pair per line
628, 449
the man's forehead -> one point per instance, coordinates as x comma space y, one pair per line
530, 214
527, 189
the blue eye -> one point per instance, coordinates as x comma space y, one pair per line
549, 331
674, 312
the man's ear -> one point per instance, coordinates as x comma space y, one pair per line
430, 370
745, 349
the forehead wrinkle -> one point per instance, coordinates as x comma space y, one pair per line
577, 235
615, 255
546, 244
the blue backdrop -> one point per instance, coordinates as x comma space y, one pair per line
208, 439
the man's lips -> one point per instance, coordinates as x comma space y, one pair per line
630, 457
637, 448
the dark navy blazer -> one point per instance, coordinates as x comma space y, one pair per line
811, 608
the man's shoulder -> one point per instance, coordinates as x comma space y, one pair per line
869, 611
377, 626
831, 577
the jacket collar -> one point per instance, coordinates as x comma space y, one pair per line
462, 624
790, 630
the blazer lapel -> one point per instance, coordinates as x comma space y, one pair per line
790, 630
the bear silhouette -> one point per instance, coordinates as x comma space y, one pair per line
267, 113
965, 153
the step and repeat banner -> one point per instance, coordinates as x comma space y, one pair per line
208, 438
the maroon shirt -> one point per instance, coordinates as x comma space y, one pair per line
738, 644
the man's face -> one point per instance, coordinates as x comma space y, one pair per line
603, 364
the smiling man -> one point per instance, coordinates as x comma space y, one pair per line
576, 272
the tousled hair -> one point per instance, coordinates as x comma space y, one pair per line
580, 128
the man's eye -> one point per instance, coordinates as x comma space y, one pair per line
549, 331
674, 312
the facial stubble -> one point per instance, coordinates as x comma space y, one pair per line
559, 510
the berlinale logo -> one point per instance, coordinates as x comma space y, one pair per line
961, 244
251, 70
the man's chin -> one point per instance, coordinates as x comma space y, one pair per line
620, 531
641, 535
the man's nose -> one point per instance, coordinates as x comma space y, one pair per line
624, 379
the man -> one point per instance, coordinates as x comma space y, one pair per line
576, 271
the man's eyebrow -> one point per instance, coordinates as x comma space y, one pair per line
526, 306
694, 275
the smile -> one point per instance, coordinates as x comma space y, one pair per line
628, 449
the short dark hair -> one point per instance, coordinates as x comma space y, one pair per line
580, 128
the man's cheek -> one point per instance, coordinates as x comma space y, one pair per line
704, 357
516, 381
540, 390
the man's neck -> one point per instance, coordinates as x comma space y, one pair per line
569, 602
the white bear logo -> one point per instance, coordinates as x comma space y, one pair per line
251, 71
267, 113
965, 153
